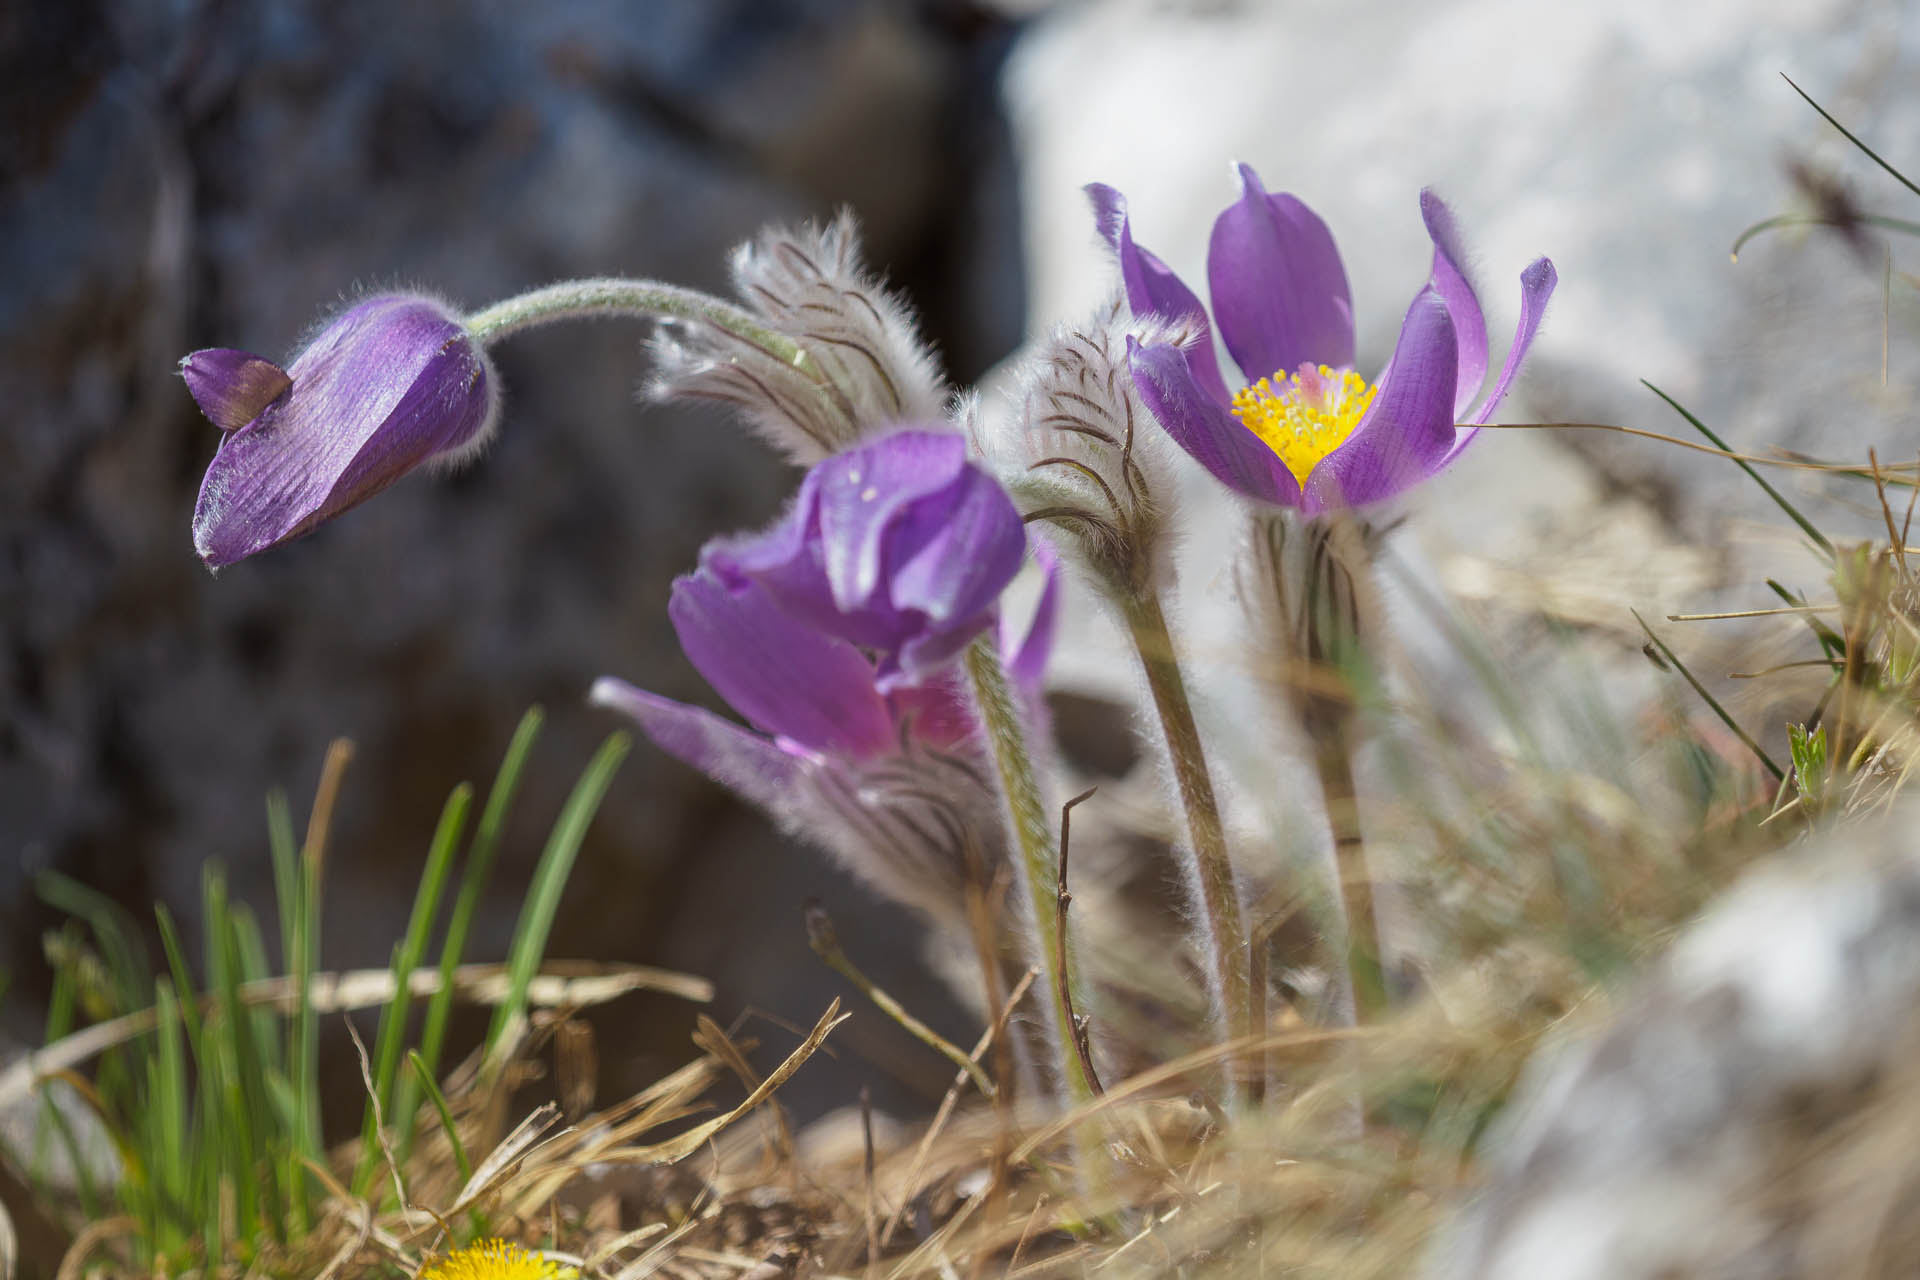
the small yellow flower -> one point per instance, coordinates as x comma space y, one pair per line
496, 1260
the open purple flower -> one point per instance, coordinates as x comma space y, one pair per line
394, 382
844, 750
1307, 431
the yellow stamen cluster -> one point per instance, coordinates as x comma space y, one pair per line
496, 1260
1304, 418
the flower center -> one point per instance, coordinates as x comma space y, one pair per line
1305, 417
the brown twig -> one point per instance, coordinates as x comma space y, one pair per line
708, 1035
825, 941
1256, 1062
379, 1121
872, 1213
987, 1040
1062, 899
320, 821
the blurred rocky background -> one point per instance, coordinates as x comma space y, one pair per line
193, 173
177, 175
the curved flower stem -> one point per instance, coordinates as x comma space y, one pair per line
1032, 830
641, 299
1211, 870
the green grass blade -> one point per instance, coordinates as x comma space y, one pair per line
129, 979
61, 1008
286, 870
1710, 700
201, 1174
230, 1037
88, 1190
1902, 226
1830, 640
550, 878
423, 1076
182, 980
251, 950
303, 1026
1848, 134
1793, 512
167, 1114
408, 957
473, 884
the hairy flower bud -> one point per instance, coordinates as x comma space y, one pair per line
861, 366
393, 382
1081, 454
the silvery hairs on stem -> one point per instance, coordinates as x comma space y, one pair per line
1081, 455
1307, 587
862, 363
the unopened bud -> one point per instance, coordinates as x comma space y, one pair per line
394, 382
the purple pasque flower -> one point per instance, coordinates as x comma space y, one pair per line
1305, 430
900, 547
882, 773
395, 381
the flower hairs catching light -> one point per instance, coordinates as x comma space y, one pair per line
854, 362
1081, 455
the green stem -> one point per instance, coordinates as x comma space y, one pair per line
1335, 761
644, 299
1032, 831
1212, 869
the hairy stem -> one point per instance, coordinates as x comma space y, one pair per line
1032, 829
1334, 758
1211, 870
641, 299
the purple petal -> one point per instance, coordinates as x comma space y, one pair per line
893, 830
900, 547
1153, 288
1205, 428
786, 677
790, 560
1279, 291
952, 559
1449, 279
739, 759
391, 384
233, 387
867, 494
927, 651
1407, 435
1109, 211
1027, 655
1536, 286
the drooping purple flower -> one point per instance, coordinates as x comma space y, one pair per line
882, 772
1305, 430
394, 382
900, 547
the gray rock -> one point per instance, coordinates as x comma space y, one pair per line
1751, 1110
